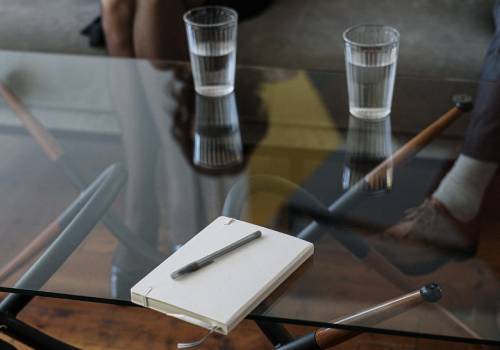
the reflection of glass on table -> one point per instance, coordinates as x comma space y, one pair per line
369, 143
217, 139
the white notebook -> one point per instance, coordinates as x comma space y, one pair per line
220, 295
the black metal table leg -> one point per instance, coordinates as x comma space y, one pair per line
97, 199
276, 333
30, 336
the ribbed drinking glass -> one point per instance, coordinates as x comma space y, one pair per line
371, 54
211, 33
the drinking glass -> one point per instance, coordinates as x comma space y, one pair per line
371, 54
217, 138
211, 33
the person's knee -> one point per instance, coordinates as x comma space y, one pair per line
120, 10
119, 7
151, 3
118, 17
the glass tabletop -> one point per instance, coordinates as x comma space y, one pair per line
276, 152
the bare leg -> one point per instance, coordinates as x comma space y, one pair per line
140, 145
118, 20
159, 30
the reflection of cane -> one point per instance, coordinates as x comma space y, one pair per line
55, 153
325, 338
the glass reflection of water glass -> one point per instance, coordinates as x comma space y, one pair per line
368, 144
217, 138
211, 33
371, 53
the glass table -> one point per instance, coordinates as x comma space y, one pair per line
276, 152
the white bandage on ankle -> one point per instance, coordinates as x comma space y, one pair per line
461, 191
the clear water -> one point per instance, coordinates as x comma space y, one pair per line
213, 68
370, 87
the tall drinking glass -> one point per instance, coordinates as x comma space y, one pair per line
371, 54
211, 33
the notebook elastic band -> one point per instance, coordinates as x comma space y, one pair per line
145, 301
196, 343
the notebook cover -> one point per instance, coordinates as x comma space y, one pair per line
220, 295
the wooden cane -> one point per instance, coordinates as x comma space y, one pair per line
328, 337
373, 258
415, 144
362, 251
349, 198
325, 338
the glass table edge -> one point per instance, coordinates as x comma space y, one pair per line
186, 63
257, 317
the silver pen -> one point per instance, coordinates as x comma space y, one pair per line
207, 260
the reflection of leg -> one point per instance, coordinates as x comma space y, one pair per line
159, 30
140, 146
118, 19
181, 185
